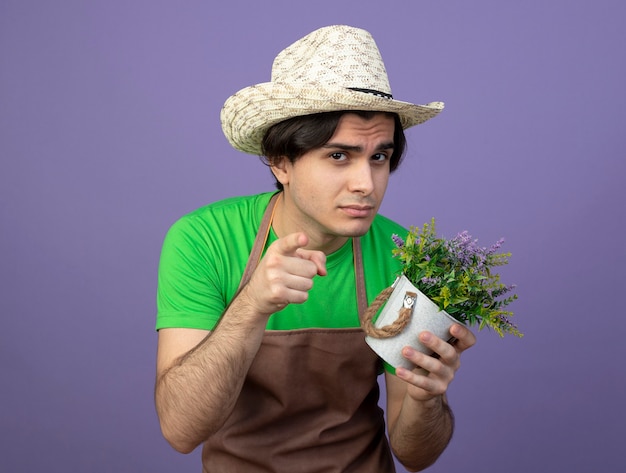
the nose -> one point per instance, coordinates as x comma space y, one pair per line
361, 178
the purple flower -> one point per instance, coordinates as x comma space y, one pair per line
466, 252
397, 240
495, 247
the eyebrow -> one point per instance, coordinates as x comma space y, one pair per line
358, 149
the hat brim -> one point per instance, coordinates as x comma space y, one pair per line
248, 114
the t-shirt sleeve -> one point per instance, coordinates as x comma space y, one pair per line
188, 290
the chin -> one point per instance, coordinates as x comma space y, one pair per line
357, 230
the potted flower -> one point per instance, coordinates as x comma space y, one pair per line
452, 280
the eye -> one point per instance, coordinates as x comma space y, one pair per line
338, 156
380, 157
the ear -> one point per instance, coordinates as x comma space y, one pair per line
280, 168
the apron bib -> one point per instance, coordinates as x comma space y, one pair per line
309, 402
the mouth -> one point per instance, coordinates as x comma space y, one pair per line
358, 211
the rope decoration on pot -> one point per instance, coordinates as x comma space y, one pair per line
391, 330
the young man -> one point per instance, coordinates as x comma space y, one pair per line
260, 355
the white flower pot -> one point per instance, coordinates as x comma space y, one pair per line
426, 316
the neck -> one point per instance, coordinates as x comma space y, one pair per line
285, 222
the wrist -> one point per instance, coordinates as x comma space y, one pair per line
248, 306
431, 408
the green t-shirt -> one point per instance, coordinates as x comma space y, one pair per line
205, 253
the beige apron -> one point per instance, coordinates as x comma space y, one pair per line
309, 402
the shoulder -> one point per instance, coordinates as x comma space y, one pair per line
224, 216
225, 228
247, 206
383, 229
378, 244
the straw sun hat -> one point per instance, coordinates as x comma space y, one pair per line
331, 69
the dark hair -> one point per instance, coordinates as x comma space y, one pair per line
296, 136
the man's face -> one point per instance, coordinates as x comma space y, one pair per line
334, 192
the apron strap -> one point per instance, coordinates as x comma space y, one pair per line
261, 240
359, 276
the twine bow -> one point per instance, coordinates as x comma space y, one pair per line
391, 330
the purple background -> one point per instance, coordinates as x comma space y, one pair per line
109, 131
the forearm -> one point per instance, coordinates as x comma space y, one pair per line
195, 396
421, 432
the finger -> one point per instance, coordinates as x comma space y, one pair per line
289, 245
316, 257
421, 360
439, 346
424, 380
443, 354
464, 337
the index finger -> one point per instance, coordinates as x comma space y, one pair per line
289, 244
